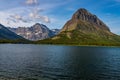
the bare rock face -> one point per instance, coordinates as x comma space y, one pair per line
84, 17
34, 33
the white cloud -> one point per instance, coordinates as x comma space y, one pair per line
16, 17
35, 12
46, 19
21, 15
31, 2
32, 13
35, 15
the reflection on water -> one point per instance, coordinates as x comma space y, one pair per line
51, 62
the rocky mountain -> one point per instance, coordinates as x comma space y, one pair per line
84, 28
6, 34
81, 19
34, 33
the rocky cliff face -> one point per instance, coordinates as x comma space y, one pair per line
34, 33
82, 16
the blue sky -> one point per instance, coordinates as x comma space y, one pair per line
55, 13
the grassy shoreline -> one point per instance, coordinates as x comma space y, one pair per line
85, 45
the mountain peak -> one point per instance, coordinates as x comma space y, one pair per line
37, 24
83, 10
40, 26
83, 17
81, 13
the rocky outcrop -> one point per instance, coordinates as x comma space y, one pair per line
34, 33
83, 16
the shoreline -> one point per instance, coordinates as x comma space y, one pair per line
66, 45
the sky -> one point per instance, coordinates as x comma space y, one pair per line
55, 13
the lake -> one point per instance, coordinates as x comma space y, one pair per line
52, 62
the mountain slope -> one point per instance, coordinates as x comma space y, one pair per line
36, 32
84, 28
7, 36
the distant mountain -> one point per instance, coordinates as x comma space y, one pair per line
36, 32
84, 28
55, 31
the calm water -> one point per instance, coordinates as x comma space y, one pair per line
51, 62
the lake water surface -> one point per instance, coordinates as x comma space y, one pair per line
52, 62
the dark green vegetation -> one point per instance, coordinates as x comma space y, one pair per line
84, 29
83, 39
17, 41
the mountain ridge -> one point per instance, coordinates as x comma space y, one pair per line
36, 32
7, 36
